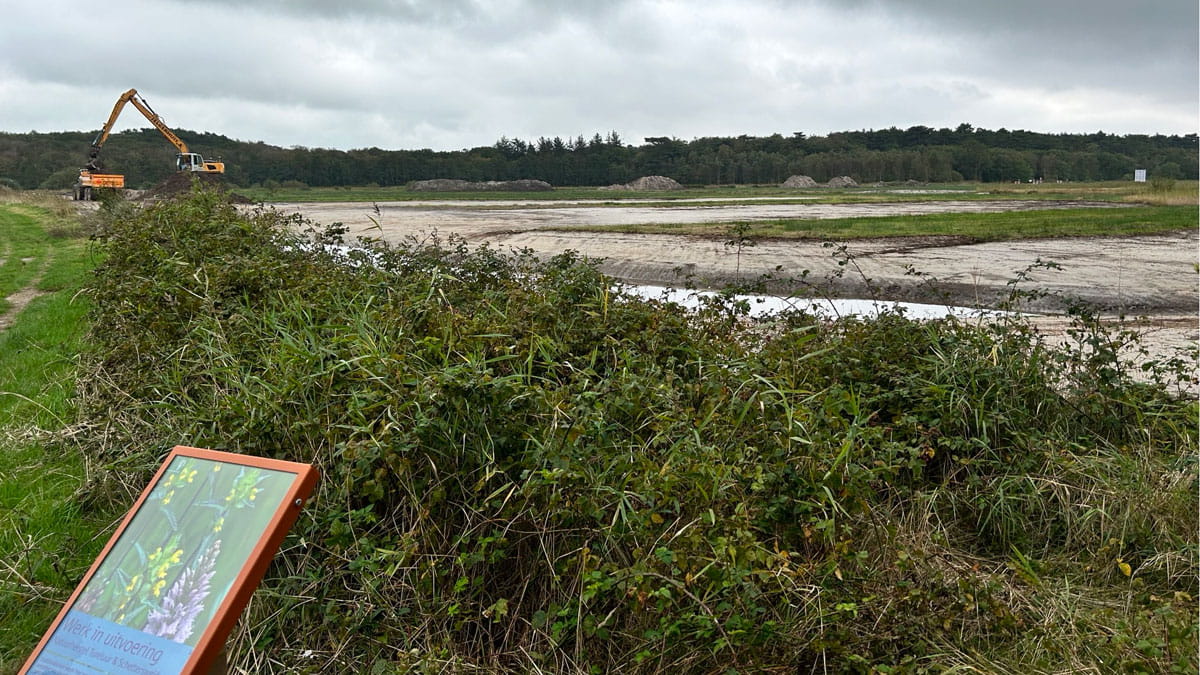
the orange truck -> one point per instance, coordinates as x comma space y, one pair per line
88, 180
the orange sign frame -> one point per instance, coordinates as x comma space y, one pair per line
213, 635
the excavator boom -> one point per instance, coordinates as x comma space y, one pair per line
132, 96
143, 107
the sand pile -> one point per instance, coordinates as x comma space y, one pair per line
181, 183
841, 182
647, 183
799, 182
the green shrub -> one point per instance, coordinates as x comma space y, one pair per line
62, 179
525, 469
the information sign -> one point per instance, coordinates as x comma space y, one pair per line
168, 587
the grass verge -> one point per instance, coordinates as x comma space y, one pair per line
46, 540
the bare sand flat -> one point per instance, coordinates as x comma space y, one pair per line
1133, 275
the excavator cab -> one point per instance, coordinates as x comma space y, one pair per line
190, 161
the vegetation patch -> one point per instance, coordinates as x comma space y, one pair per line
1176, 193
523, 470
46, 539
966, 226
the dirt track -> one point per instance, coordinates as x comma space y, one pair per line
1142, 275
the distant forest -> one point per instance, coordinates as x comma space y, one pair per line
52, 160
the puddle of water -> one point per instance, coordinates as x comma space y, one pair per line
767, 305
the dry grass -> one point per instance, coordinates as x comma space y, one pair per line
1157, 192
65, 219
1166, 192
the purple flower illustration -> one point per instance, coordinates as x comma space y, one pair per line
185, 599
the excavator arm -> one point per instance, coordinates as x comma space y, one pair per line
138, 102
102, 136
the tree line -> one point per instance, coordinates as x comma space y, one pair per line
919, 153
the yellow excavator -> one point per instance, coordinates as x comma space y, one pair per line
91, 176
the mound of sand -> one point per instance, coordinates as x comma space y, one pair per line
655, 183
841, 182
799, 182
647, 183
181, 183
455, 185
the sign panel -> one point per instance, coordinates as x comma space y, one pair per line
167, 589
1139, 175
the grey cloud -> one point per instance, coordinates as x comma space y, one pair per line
439, 11
476, 19
1149, 25
458, 73
1141, 46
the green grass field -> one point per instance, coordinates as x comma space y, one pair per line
46, 542
1137, 220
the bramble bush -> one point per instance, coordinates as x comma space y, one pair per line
524, 469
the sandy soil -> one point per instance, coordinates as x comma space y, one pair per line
482, 220
1153, 275
18, 300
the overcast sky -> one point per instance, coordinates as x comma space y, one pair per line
453, 74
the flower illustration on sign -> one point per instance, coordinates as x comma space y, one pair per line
184, 601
